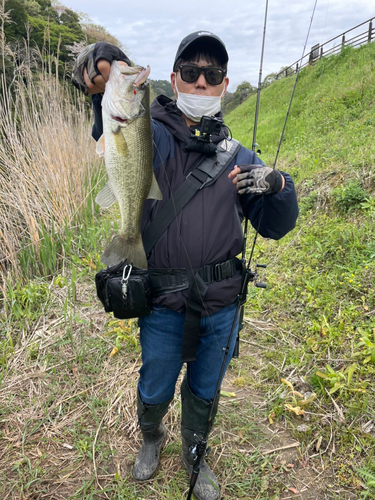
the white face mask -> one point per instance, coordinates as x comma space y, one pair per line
194, 106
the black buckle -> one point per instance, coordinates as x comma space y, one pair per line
208, 274
224, 270
218, 272
194, 178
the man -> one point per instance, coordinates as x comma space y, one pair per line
203, 238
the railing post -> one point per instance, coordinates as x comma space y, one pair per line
369, 32
321, 51
297, 68
343, 41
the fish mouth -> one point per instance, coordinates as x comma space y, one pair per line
119, 119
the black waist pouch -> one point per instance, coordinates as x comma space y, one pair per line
124, 290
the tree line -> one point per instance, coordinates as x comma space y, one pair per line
34, 32
47, 23
244, 90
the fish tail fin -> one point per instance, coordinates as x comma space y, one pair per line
120, 249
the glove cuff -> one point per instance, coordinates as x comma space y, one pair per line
278, 181
79, 65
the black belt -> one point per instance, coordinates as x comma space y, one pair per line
221, 271
164, 281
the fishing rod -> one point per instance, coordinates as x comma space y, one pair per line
253, 274
294, 86
254, 144
260, 79
282, 132
199, 450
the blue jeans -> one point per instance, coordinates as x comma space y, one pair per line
161, 342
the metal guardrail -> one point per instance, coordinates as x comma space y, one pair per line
318, 51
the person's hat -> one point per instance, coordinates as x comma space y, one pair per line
199, 37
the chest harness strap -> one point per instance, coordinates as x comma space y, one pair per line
205, 174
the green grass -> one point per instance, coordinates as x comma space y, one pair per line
331, 121
320, 277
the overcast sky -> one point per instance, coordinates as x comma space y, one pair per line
151, 30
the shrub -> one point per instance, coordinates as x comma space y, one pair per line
349, 197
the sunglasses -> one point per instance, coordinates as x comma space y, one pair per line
190, 73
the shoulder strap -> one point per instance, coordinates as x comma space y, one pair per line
205, 174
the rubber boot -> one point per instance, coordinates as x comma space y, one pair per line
154, 435
195, 414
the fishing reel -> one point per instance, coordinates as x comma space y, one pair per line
201, 137
197, 450
252, 276
257, 283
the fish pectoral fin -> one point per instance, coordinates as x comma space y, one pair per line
155, 192
106, 197
100, 146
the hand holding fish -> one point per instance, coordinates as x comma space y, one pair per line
92, 67
99, 81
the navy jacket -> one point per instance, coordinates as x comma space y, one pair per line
208, 229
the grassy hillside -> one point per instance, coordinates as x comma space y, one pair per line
331, 119
297, 418
321, 290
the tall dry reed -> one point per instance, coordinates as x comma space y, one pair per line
47, 157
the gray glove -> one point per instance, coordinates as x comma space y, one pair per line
88, 59
257, 179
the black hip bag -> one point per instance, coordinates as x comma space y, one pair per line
127, 291
124, 290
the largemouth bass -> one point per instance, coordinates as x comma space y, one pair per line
126, 144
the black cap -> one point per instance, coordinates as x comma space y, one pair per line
198, 37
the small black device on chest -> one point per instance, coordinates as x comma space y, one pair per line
200, 140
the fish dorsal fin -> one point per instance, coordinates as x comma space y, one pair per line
106, 197
100, 147
155, 192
